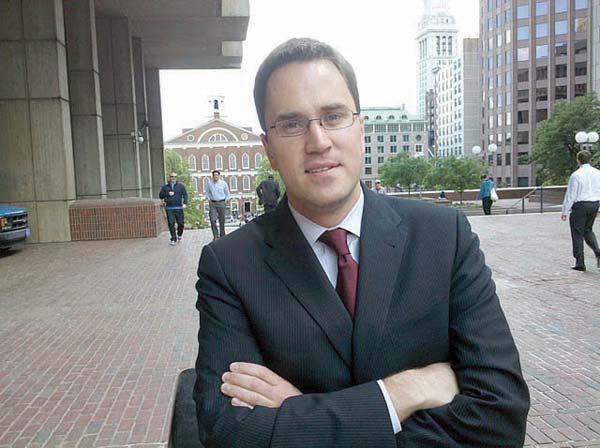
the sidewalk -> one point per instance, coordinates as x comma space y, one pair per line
93, 335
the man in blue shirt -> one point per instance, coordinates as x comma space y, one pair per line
217, 192
485, 194
175, 197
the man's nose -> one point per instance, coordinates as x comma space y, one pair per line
317, 137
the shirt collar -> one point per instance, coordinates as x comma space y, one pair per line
351, 222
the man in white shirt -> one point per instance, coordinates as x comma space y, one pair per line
217, 192
581, 201
346, 318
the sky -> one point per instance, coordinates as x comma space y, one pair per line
377, 38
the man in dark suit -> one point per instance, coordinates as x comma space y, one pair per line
364, 320
268, 193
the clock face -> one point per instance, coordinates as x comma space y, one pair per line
244, 136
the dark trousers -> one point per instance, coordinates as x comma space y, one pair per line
172, 217
217, 210
581, 220
487, 205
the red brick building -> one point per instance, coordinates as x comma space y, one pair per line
236, 152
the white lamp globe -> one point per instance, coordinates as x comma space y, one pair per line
492, 147
592, 137
581, 137
476, 150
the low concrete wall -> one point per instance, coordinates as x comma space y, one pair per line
551, 194
108, 219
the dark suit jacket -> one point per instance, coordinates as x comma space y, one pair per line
425, 295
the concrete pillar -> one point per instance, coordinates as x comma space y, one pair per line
86, 113
596, 47
36, 168
157, 149
139, 73
119, 120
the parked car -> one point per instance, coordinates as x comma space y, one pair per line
14, 226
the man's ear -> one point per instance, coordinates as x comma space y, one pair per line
269, 151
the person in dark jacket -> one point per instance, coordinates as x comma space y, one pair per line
175, 197
268, 193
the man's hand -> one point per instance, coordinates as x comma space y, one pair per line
252, 385
563, 217
184, 206
418, 389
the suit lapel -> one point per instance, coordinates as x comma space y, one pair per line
381, 250
295, 263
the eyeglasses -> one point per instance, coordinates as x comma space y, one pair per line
332, 121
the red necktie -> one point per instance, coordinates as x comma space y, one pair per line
347, 276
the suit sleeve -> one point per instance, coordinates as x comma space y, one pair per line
491, 409
163, 192
185, 195
353, 417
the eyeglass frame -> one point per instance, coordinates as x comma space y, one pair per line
308, 121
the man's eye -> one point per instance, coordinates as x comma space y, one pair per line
290, 125
333, 117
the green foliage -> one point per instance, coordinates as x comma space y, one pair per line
452, 173
264, 169
194, 214
555, 147
404, 170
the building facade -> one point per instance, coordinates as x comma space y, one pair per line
596, 46
458, 103
534, 53
235, 151
436, 47
388, 131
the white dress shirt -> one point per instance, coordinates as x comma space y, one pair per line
328, 259
584, 185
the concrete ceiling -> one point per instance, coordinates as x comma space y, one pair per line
185, 34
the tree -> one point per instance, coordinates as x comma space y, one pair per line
264, 169
404, 170
455, 174
174, 163
555, 148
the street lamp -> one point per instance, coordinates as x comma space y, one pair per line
492, 147
476, 150
586, 139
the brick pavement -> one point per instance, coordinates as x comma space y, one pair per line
93, 335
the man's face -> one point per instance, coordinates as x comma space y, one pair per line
321, 169
216, 176
378, 185
173, 178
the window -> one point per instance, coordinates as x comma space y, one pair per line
508, 120
192, 160
507, 57
581, 24
523, 117
233, 183
378, 117
367, 150
541, 115
541, 51
522, 182
561, 71
405, 148
393, 138
508, 78
523, 54
560, 93
560, 27
205, 163
245, 162
195, 182
507, 16
523, 137
246, 182
405, 138
393, 149
523, 12
499, 118
499, 100
367, 160
219, 162
367, 139
190, 138
380, 160
541, 94
499, 159
523, 32
491, 122
217, 138
581, 68
541, 30
204, 182
508, 37
380, 127
541, 8
560, 6
523, 75
368, 128
499, 60
380, 149
235, 208
508, 98
508, 139
232, 162
560, 49
581, 46
498, 20
499, 40
368, 170
392, 127
507, 162
257, 159
541, 73
580, 89
523, 96
419, 148
581, 4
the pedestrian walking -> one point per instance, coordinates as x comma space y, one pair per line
485, 194
581, 206
378, 188
268, 193
175, 198
217, 192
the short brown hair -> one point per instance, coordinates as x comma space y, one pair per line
584, 156
300, 50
